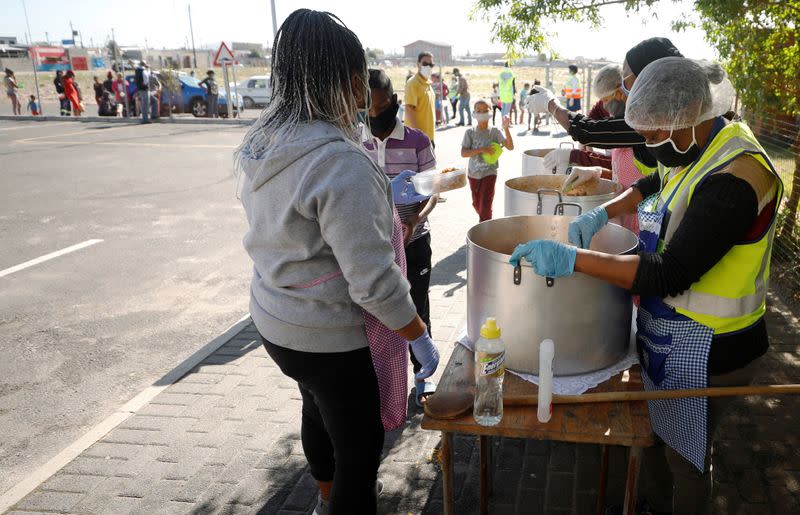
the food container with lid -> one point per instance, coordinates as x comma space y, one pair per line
438, 181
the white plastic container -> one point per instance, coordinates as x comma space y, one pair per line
544, 408
435, 181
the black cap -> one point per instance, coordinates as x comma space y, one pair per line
648, 51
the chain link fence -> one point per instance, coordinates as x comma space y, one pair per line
780, 136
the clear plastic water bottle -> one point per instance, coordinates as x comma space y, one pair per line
490, 357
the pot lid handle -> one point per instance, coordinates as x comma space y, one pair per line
518, 274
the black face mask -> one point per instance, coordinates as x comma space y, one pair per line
667, 154
385, 120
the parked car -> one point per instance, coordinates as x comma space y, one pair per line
192, 97
255, 91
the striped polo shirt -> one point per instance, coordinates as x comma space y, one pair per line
404, 149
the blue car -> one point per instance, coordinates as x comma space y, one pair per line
192, 97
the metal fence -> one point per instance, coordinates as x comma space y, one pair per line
779, 136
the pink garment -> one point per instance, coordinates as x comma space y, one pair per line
626, 173
388, 349
390, 352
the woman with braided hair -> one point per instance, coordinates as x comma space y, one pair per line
329, 294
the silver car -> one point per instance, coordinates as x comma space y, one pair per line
255, 91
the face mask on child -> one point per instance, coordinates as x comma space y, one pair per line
482, 117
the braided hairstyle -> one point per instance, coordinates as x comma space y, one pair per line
314, 58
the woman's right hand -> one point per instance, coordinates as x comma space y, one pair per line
426, 353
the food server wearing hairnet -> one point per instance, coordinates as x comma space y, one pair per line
707, 221
612, 132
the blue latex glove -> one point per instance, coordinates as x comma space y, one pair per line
584, 227
425, 351
403, 191
549, 258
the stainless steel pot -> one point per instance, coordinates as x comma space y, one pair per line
533, 160
589, 320
539, 194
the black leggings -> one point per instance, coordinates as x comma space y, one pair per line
341, 428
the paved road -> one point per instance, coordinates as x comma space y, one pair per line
52, 108
84, 332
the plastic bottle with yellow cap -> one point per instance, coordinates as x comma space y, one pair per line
490, 357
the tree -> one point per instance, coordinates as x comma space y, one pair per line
757, 41
374, 53
170, 85
255, 54
113, 49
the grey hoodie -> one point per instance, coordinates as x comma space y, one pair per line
316, 205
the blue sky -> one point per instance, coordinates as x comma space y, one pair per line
386, 25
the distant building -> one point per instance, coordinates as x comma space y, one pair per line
442, 52
247, 47
250, 54
8, 40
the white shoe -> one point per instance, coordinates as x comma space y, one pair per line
323, 506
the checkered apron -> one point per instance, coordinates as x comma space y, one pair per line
673, 351
390, 352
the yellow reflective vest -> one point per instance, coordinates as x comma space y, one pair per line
643, 168
506, 86
732, 295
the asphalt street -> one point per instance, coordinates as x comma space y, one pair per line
52, 108
83, 332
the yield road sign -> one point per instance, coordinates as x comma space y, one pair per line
224, 56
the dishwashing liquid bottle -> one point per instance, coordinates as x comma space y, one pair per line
490, 356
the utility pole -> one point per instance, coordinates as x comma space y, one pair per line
34, 59
47, 37
191, 31
274, 20
72, 33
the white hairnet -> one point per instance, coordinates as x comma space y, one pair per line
607, 80
675, 92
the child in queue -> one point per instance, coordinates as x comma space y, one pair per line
482, 145
33, 106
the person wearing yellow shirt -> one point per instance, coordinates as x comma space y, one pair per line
419, 98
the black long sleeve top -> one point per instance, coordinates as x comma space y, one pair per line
723, 209
609, 133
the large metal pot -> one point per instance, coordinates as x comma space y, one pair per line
533, 160
539, 195
589, 320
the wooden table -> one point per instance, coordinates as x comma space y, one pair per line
613, 423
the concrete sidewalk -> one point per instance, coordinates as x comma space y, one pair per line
225, 438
